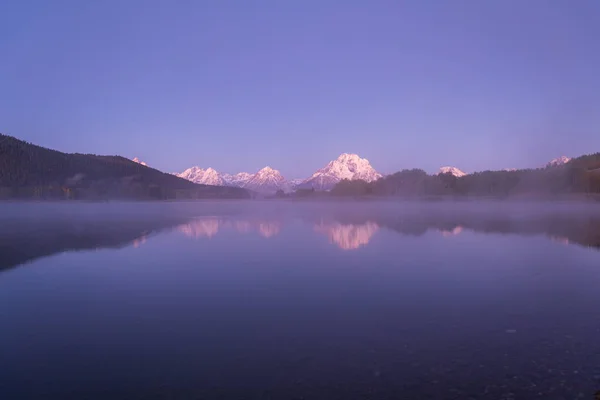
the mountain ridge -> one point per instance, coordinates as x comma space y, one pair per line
347, 166
31, 171
269, 180
453, 171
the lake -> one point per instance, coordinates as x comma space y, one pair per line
299, 300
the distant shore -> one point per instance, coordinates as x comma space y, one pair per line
325, 197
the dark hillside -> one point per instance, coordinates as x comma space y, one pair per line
30, 171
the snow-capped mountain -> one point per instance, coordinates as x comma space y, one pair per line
558, 161
267, 180
137, 160
240, 179
346, 166
203, 176
452, 170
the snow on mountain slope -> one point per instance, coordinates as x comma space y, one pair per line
239, 179
202, 176
346, 166
267, 180
452, 170
558, 161
137, 160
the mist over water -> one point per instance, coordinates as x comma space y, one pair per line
280, 299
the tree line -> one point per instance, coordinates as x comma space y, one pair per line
580, 175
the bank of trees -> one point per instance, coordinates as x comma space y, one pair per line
581, 175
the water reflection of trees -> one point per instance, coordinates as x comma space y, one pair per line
24, 240
581, 229
350, 231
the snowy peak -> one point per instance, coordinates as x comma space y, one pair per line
346, 166
137, 160
212, 177
452, 170
348, 158
204, 177
239, 179
558, 161
268, 173
267, 180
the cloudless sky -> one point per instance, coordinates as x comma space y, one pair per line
237, 85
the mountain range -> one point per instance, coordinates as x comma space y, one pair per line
30, 171
269, 180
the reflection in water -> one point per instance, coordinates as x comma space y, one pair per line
22, 241
207, 227
279, 316
269, 229
242, 226
452, 232
140, 241
24, 238
348, 236
200, 228
560, 239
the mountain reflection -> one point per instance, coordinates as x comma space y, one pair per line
24, 237
140, 241
207, 227
560, 239
200, 228
452, 232
348, 236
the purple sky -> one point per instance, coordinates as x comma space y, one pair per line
237, 85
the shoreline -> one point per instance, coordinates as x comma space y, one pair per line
568, 198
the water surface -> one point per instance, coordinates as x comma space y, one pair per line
282, 300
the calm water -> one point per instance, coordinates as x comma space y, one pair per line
299, 301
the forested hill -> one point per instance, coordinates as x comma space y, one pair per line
579, 176
30, 171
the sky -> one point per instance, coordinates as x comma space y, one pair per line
238, 85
